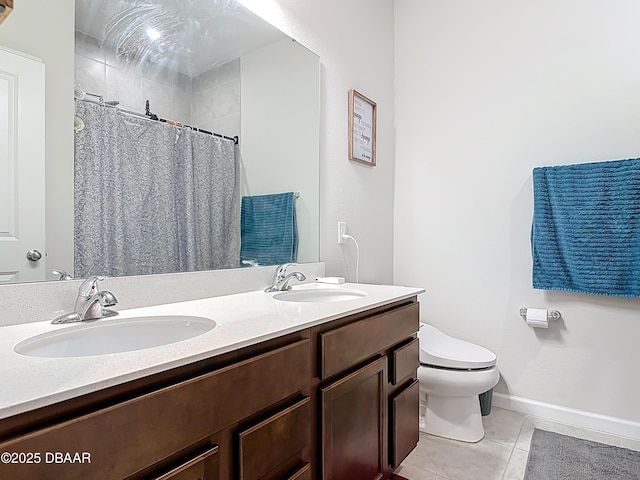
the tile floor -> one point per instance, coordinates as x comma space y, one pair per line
501, 455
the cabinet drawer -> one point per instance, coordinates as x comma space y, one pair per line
130, 436
303, 473
405, 413
269, 443
204, 465
345, 346
405, 361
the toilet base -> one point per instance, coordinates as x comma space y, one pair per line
457, 418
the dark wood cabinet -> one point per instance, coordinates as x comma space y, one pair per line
335, 401
369, 403
150, 433
353, 424
404, 431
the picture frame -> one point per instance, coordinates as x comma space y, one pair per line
5, 9
362, 128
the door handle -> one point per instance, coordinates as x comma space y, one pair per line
34, 255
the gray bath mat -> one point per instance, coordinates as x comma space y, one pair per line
558, 457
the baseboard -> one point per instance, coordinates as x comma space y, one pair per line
569, 416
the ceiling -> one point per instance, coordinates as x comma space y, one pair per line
189, 36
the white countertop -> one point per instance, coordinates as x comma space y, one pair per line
243, 319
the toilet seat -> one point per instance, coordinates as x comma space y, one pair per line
441, 350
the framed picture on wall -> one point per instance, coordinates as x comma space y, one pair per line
362, 129
5, 8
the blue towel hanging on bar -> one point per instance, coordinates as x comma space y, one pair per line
268, 230
585, 235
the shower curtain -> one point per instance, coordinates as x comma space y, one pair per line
151, 197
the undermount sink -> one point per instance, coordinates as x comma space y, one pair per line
320, 295
115, 336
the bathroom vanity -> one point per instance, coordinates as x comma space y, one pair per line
293, 390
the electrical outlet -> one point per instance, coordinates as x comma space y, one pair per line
342, 230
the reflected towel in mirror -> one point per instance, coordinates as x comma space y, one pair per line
268, 230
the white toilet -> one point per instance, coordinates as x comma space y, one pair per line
452, 374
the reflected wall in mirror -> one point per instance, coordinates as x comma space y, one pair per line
212, 65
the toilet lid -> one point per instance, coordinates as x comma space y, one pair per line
439, 349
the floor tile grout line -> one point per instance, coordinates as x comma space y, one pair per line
513, 447
515, 444
421, 468
506, 467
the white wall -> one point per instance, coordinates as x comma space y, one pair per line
354, 40
45, 30
281, 118
485, 91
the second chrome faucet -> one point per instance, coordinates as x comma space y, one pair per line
90, 303
281, 279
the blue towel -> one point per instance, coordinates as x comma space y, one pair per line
586, 228
268, 230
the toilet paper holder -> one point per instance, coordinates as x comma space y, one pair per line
551, 315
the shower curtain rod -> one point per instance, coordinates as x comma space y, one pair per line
148, 115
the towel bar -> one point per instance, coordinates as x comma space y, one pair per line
552, 315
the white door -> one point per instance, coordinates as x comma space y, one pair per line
21, 168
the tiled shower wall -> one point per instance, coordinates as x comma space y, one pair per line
210, 100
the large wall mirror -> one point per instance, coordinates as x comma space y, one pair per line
210, 65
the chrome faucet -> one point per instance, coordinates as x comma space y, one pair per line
281, 279
90, 303
61, 274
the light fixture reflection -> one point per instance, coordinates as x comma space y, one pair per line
153, 33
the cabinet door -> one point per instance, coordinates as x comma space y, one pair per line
405, 411
354, 416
